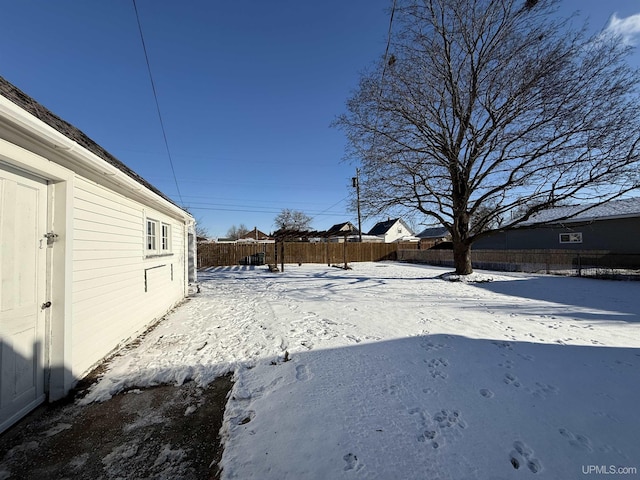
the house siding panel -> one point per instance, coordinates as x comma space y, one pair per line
615, 235
110, 301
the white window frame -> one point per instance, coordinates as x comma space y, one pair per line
570, 237
157, 238
165, 238
151, 236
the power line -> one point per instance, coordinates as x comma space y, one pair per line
328, 208
385, 64
386, 52
155, 96
218, 209
253, 209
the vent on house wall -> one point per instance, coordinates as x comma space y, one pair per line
575, 237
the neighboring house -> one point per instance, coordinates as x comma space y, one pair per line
255, 236
613, 226
433, 236
90, 254
393, 230
340, 232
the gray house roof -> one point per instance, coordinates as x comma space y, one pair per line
341, 228
24, 101
433, 232
628, 207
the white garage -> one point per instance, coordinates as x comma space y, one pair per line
90, 254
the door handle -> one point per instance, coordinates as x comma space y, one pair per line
45, 305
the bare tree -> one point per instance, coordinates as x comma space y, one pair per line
489, 111
234, 233
293, 220
201, 230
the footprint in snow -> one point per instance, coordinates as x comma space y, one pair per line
486, 393
522, 457
581, 442
352, 462
302, 373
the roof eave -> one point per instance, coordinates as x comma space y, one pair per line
53, 139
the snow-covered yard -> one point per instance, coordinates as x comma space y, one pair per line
392, 373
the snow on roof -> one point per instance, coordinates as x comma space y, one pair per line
628, 207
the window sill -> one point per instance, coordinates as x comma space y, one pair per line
158, 255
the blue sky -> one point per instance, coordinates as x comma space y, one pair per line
247, 91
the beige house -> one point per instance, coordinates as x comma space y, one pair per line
90, 254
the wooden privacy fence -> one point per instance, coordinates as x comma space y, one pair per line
226, 254
568, 262
576, 262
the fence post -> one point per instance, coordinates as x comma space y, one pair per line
345, 251
579, 266
327, 253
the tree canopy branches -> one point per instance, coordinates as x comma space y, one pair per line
491, 111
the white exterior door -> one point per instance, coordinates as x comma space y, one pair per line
23, 222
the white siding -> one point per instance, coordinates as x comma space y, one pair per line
110, 301
396, 232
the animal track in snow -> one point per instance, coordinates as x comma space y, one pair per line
528, 358
522, 456
446, 425
609, 416
511, 379
506, 364
543, 390
434, 367
581, 442
486, 393
449, 418
391, 390
437, 362
503, 345
429, 346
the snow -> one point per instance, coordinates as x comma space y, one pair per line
388, 371
627, 207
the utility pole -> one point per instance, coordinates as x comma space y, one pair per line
356, 185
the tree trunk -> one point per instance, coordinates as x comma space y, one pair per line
462, 258
460, 234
